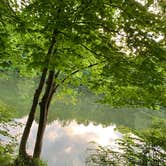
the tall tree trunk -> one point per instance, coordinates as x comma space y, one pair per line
22, 148
44, 105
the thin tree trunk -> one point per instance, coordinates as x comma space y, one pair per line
54, 87
44, 105
22, 148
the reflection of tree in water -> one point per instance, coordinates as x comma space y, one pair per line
17, 92
81, 107
87, 110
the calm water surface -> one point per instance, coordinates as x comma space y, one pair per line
67, 145
73, 123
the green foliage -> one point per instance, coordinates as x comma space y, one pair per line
20, 161
125, 38
5, 113
38, 162
6, 149
146, 149
155, 136
5, 155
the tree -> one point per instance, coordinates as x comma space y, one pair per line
115, 48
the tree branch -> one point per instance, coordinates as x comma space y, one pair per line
78, 70
57, 74
93, 52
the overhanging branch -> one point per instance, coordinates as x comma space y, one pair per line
78, 70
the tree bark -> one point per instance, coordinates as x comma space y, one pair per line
44, 105
54, 87
22, 148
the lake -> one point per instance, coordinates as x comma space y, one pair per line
75, 120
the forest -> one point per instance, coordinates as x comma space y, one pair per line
82, 82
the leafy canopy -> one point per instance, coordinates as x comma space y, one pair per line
117, 48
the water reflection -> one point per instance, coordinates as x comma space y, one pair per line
71, 126
84, 111
67, 145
